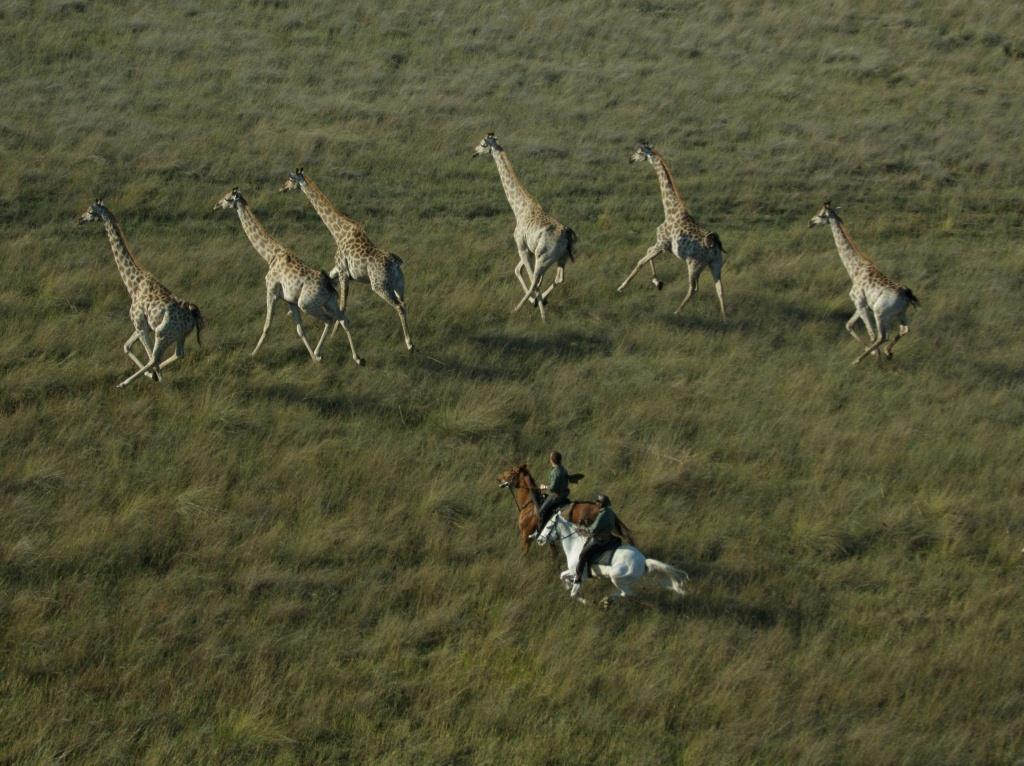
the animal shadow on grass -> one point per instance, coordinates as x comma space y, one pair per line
700, 605
519, 348
334, 402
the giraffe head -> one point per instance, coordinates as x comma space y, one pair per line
97, 211
488, 145
644, 151
294, 181
825, 215
230, 201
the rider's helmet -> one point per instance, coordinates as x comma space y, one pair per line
603, 501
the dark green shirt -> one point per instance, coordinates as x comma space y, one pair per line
558, 482
605, 521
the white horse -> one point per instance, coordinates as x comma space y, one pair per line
628, 564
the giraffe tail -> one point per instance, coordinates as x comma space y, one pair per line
571, 243
715, 241
197, 319
327, 282
910, 296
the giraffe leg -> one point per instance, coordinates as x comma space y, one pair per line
904, 328
716, 274
559, 278
323, 335
881, 322
147, 339
266, 324
524, 266
518, 271
339, 319
694, 274
179, 352
159, 347
342, 293
538, 275
128, 349
392, 300
652, 252
851, 323
654, 276
297, 318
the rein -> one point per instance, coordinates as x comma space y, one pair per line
575, 532
520, 508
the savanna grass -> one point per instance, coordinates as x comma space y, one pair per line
272, 561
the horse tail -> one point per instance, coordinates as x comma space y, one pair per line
910, 296
624, 532
674, 578
571, 243
197, 320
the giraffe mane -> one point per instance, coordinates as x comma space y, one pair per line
853, 244
668, 173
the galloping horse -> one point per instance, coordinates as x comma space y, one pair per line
524, 489
627, 566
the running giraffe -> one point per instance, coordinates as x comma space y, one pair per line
871, 291
537, 234
160, 319
679, 234
356, 257
298, 285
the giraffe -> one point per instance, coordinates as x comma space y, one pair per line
679, 234
872, 291
537, 234
356, 257
160, 319
300, 286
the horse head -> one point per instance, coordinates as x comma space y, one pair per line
551, 533
515, 477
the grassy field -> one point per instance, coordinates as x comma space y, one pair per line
271, 561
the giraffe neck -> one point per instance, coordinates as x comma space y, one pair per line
671, 199
335, 221
520, 200
131, 273
855, 263
262, 242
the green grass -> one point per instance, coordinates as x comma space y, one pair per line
270, 561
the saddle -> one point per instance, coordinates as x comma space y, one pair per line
604, 556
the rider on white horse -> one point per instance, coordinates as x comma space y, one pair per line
599, 538
627, 565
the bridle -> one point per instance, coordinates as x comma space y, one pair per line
548, 539
519, 508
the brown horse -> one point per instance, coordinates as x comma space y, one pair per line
527, 497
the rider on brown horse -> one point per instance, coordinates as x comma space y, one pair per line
557, 488
525, 493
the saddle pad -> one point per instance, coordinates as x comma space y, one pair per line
604, 558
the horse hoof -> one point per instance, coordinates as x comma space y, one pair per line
360, 362
657, 283
606, 602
